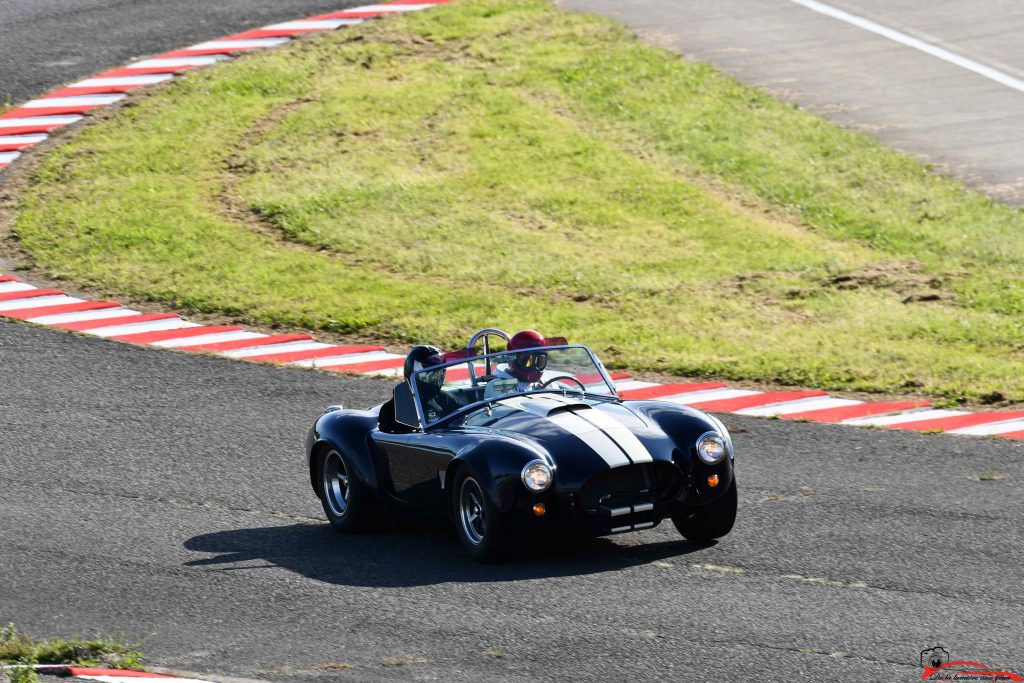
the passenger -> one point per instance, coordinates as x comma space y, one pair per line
434, 400
526, 369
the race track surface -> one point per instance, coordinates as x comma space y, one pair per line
164, 496
949, 116
46, 43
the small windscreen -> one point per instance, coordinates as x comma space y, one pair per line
448, 389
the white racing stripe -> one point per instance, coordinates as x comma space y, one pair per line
935, 51
619, 432
597, 440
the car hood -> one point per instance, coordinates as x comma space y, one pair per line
560, 423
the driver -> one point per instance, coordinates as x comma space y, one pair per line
526, 369
436, 402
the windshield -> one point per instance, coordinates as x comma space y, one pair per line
444, 390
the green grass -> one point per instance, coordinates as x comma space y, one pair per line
16, 648
498, 162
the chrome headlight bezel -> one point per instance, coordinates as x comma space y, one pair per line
712, 448
531, 482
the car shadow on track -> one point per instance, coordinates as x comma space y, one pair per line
413, 555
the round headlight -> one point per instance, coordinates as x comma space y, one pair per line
537, 476
711, 447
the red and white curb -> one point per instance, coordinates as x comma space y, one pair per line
104, 675
110, 319
30, 124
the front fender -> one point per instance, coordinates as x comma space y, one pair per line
684, 425
498, 463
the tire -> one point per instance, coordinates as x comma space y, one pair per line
477, 524
707, 522
349, 504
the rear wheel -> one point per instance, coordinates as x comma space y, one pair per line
348, 503
477, 524
707, 522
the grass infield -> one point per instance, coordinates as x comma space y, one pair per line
499, 162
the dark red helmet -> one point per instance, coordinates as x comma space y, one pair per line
528, 366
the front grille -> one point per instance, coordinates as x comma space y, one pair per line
630, 485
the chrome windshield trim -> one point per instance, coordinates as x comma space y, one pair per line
486, 357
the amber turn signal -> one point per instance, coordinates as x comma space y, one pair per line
713, 480
539, 509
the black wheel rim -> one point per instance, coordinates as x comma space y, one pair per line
472, 511
336, 488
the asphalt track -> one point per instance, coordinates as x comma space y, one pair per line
163, 496
964, 123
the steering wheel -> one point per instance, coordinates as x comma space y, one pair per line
544, 385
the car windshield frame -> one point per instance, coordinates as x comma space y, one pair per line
425, 425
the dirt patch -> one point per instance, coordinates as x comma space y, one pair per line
906, 279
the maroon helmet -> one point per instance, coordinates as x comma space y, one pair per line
528, 366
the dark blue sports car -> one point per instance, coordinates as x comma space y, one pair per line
528, 440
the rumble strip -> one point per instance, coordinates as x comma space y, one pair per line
30, 124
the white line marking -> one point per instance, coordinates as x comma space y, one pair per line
211, 338
344, 358
15, 287
22, 139
632, 384
963, 62
98, 314
307, 25
145, 79
284, 347
73, 101
1016, 425
8, 157
708, 395
798, 406
199, 60
38, 302
243, 44
388, 8
141, 679
904, 417
135, 328
39, 120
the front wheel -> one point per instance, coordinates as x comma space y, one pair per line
348, 503
707, 522
477, 524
